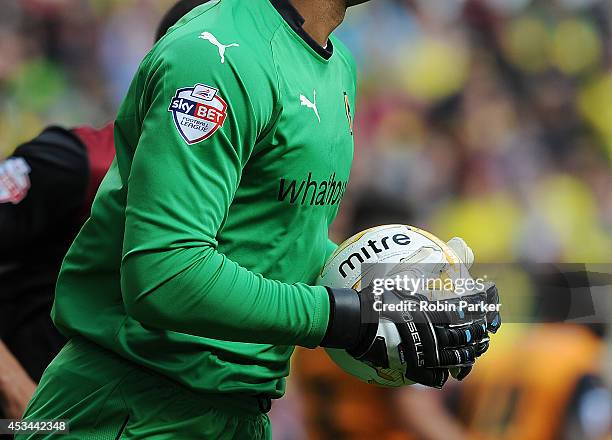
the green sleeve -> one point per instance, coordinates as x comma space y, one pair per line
172, 275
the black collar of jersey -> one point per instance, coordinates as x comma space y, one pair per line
296, 21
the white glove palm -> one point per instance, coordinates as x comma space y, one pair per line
462, 250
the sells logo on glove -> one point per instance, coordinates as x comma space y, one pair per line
198, 112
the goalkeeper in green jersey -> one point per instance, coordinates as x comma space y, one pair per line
186, 291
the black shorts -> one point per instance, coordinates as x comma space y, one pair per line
28, 332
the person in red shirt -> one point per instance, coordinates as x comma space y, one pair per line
47, 187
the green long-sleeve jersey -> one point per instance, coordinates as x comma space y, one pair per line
234, 146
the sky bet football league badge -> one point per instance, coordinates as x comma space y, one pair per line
198, 112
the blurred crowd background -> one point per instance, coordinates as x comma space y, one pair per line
493, 113
487, 119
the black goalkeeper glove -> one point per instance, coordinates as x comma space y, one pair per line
393, 331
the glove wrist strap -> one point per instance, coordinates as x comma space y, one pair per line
344, 319
352, 323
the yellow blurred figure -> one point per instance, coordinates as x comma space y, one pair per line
595, 104
527, 42
575, 46
488, 222
434, 69
568, 207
